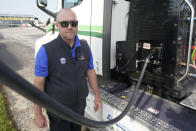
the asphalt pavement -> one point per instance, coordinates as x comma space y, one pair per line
17, 52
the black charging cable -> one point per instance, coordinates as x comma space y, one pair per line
23, 87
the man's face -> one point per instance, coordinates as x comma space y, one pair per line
67, 25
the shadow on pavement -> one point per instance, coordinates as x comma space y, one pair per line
1, 36
9, 58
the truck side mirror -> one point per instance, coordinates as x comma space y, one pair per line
42, 3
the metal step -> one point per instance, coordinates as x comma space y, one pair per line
138, 112
190, 101
153, 111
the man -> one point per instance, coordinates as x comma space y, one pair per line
61, 68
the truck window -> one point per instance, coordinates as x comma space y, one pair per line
71, 3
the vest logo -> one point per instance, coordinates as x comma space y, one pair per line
81, 58
62, 60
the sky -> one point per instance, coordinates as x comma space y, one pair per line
26, 7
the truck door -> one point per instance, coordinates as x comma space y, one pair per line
120, 9
90, 16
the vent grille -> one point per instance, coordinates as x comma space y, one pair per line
154, 19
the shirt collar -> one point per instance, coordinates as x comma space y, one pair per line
77, 42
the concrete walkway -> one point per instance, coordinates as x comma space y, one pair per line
17, 51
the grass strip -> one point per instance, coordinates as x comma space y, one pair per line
5, 123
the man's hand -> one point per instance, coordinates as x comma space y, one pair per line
40, 121
92, 78
97, 103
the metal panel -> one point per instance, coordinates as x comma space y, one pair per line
153, 19
106, 38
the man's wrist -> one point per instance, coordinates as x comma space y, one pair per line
38, 110
38, 113
97, 96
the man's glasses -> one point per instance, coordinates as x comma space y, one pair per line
65, 24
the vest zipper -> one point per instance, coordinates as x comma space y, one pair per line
75, 76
